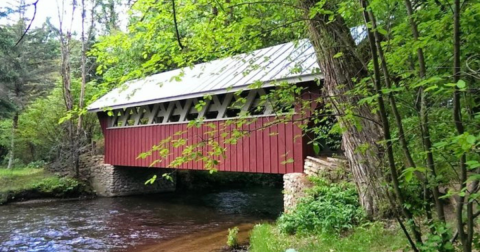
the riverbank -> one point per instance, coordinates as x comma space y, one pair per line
372, 237
265, 237
204, 241
22, 184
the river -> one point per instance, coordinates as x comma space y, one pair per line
140, 223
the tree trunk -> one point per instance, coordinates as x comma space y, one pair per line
378, 55
65, 47
424, 121
82, 95
12, 143
466, 236
331, 39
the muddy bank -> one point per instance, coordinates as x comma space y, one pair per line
213, 240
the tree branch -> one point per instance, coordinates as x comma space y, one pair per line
30, 24
176, 25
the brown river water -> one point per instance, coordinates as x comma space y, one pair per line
186, 221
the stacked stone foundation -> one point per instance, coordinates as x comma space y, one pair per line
110, 181
296, 184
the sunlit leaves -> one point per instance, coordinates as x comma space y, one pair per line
151, 180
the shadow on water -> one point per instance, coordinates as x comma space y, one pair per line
122, 224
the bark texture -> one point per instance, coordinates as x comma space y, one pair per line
12, 143
331, 39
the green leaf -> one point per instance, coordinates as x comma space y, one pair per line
316, 148
461, 84
338, 55
382, 31
288, 161
408, 175
472, 164
151, 180
471, 139
431, 88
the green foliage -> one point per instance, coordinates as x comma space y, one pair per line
434, 241
30, 183
20, 178
56, 185
6, 107
328, 208
37, 164
40, 138
207, 30
232, 238
372, 237
27, 68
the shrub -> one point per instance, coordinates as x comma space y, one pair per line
60, 186
37, 164
17, 163
232, 239
327, 208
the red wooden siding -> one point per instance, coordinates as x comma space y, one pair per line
263, 151
270, 150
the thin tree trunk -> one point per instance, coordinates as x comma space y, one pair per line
393, 103
65, 40
12, 143
466, 238
425, 128
84, 72
330, 39
82, 95
377, 53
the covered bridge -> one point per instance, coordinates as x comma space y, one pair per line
149, 110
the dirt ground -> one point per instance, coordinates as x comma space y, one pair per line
205, 241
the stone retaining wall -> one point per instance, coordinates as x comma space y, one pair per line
295, 184
108, 180
332, 169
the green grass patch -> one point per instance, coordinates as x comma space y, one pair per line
370, 237
22, 179
33, 183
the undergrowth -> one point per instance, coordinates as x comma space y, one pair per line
372, 237
329, 218
32, 183
327, 208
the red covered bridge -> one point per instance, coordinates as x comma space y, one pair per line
145, 112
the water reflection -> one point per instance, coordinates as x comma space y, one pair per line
120, 224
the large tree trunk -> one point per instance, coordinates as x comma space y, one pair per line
12, 143
340, 65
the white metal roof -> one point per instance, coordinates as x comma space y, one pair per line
291, 62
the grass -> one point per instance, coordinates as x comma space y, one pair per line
372, 237
32, 183
18, 179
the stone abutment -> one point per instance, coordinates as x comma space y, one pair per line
295, 184
109, 181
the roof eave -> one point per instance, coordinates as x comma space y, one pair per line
296, 79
